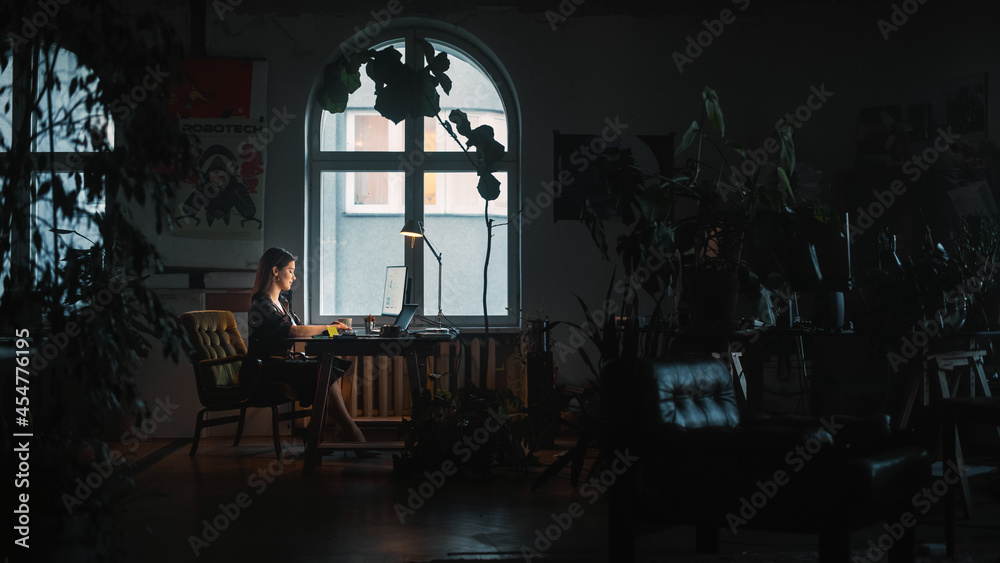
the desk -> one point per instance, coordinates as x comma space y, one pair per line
410, 347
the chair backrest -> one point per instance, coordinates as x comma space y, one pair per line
692, 391
214, 338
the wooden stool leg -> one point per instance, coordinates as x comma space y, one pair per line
916, 381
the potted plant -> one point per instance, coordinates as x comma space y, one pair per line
976, 242
741, 219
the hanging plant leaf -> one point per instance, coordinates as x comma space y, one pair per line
736, 147
489, 187
783, 176
338, 83
713, 111
688, 137
787, 146
430, 102
461, 122
426, 48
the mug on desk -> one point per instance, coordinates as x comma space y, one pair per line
391, 331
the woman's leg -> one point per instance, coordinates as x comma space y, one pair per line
337, 410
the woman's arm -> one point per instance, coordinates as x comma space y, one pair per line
300, 331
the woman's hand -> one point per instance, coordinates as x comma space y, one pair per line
340, 326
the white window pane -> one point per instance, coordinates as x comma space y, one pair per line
355, 248
70, 120
472, 92
83, 222
460, 239
6, 82
456, 193
360, 127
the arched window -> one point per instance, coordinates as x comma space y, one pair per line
367, 176
46, 110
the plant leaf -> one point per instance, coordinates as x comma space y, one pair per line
489, 187
736, 147
688, 138
787, 146
713, 111
783, 176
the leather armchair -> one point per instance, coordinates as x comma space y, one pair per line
700, 462
217, 352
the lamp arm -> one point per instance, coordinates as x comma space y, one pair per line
431, 247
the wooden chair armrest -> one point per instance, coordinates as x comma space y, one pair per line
220, 361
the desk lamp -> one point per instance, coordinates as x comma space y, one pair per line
415, 229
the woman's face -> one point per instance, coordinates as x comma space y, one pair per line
284, 276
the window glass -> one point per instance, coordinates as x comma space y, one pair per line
6, 80
71, 121
460, 239
356, 247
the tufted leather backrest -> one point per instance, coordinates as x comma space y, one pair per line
692, 391
214, 338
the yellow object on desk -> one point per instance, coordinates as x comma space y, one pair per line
331, 330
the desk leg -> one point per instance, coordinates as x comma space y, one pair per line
741, 377
317, 419
413, 370
949, 438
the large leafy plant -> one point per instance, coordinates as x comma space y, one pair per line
741, 200
88, 313
402, 91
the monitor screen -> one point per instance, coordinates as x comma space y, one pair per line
395, 290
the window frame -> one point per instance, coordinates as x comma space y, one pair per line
318, 161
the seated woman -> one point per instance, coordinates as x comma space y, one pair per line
272, 322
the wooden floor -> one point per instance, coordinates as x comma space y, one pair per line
240, 504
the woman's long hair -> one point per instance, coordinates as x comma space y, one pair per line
272, 258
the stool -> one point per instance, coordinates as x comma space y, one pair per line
963, 367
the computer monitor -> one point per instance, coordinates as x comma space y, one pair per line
395, 290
